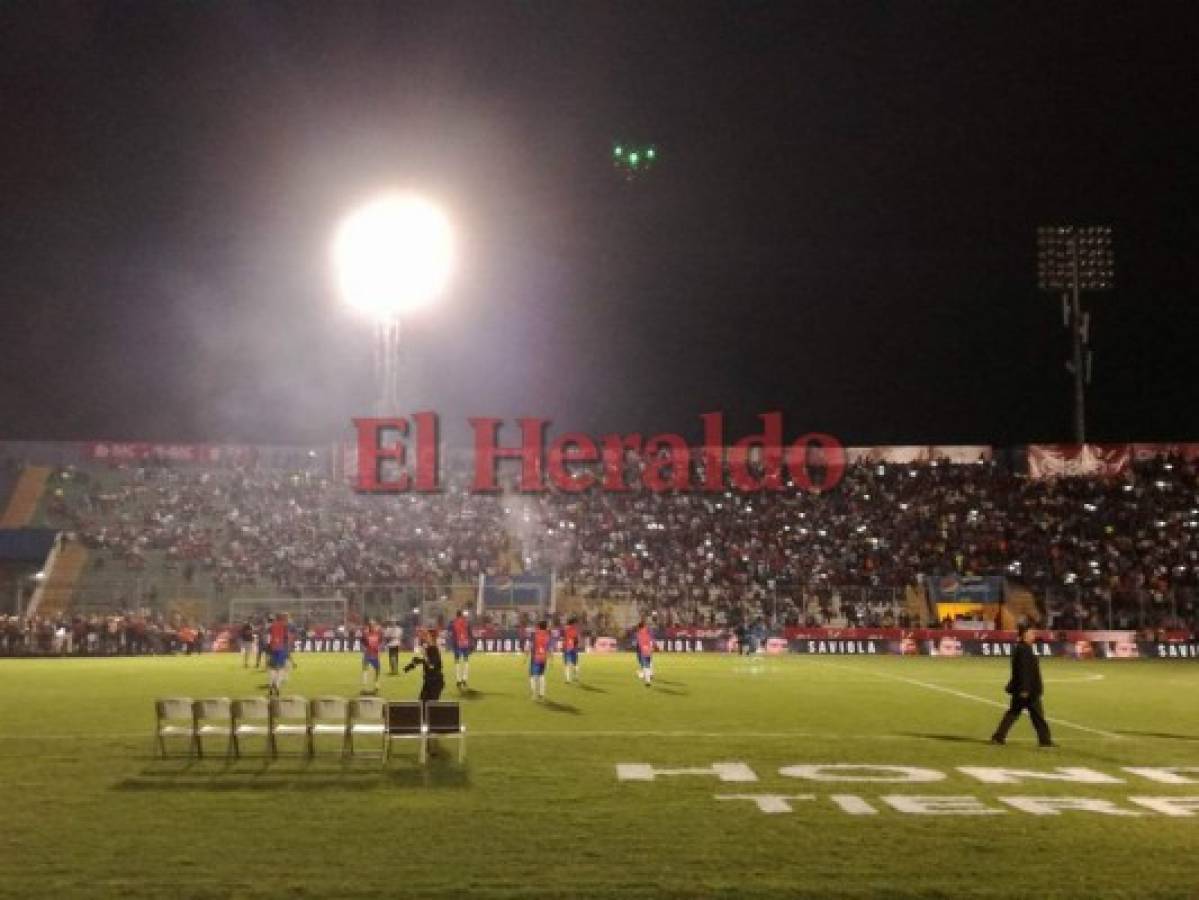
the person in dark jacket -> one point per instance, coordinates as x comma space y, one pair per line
430, 662
1026, 690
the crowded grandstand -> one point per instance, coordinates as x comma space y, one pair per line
149, 551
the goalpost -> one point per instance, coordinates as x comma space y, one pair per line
331, 611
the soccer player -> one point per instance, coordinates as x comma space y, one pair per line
570, 650
461, 637
539, 654
644, 643
394, 636
263, 644
246, 639
278, 641
372, 642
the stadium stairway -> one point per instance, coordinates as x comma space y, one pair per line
1021, 604
62, 579
23, 504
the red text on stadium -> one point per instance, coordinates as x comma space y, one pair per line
575, 462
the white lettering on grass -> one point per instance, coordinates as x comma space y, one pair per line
1178, 807
1164, 774
853, 804
730, 771
940, 806
850, 772
1054, 806
769, 803
1075, 774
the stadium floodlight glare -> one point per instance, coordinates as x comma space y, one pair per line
390, 257
393, 255
1071, 260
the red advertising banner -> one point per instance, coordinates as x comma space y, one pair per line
137, 451
1071, 460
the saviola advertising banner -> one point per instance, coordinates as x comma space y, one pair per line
965, 588
1068, 460
824, 642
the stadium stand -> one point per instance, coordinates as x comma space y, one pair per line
172, 542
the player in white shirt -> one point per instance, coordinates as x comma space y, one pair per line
393, 635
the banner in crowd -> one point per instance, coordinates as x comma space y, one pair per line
1189, 452
919, 453
965, 588
1068, 460
515, 590
139, 451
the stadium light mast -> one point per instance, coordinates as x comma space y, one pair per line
1071, 260
390, 257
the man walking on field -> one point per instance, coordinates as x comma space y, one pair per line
1026, 689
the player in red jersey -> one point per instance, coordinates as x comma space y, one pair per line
279, 643
460, 638
644, 640
570, 650
372, 643
539, 656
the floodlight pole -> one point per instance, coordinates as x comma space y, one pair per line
1078, 338
1061, 267
387, 366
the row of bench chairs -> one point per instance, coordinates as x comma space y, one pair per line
371, 719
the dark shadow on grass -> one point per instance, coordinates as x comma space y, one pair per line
591, 688
948, 738
672, 683
472, 694
1163, 735
669, 690
555, 706
357, 775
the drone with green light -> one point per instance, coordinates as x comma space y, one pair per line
634, 160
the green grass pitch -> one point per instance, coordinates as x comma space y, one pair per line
538, 810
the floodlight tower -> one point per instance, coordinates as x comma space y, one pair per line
1071, 260
390, 257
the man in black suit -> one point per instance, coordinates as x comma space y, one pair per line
1026, 689
429, 659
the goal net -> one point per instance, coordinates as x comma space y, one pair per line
308, 611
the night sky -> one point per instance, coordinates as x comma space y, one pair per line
841, 224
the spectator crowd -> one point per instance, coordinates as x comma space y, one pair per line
1085, 546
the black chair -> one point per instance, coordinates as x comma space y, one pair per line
406, 721
444, 719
